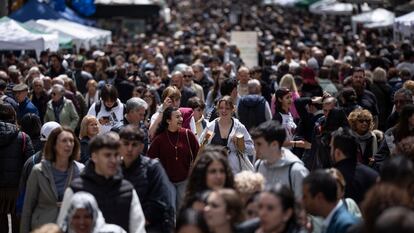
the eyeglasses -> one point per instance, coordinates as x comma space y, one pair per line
54, 93
364, 120
147, 96
187, 76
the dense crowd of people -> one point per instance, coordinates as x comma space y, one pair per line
171, 132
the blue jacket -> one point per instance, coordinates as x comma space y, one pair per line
26, 107
341, 221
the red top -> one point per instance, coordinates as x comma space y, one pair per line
175, 162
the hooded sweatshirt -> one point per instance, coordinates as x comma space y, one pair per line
84, 200
115, 196
278, 172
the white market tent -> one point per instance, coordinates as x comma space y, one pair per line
282, 2
64, 41
333, 7
104, 36
404, 27
77, 41
13, 36
81, 38
378, 18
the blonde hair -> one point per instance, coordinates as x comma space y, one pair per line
248, 182
91, 82
288, 82
48, 228
84, 125
172, 91
357, 114
409, 84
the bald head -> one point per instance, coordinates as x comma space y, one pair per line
177, 79
243, 75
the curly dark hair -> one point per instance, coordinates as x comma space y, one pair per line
165, 116
197, 180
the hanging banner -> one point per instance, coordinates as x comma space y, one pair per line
246, 41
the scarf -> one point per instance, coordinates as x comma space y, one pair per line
57, 108
363, 140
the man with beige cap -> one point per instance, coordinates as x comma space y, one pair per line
21, 91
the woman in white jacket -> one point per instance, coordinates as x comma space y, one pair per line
109, 110
229, 132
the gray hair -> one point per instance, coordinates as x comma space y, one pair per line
254, 86
407, 93
59, 80
40, 80
200, 66
135, 103
59, 88
379, 75
177, 73
187, 69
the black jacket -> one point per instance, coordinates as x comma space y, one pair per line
367, 100
81, 78
307, 120
186, 93
251, 110
15, 148
114, 195
358, 178
85, 154
124, 88
205, 83
151, 183
40, 103
383, 93
392, 120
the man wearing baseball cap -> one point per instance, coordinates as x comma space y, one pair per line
45, 131
21, 91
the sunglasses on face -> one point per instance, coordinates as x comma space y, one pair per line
364, 120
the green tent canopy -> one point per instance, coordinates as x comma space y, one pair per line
64, 41
305, 3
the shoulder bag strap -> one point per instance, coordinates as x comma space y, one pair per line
189, 145
290, 177
258, 165
68, 181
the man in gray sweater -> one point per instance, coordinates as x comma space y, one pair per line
277, 164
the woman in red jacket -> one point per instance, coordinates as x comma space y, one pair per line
176, 148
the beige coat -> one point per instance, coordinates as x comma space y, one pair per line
68, 115
41, 198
